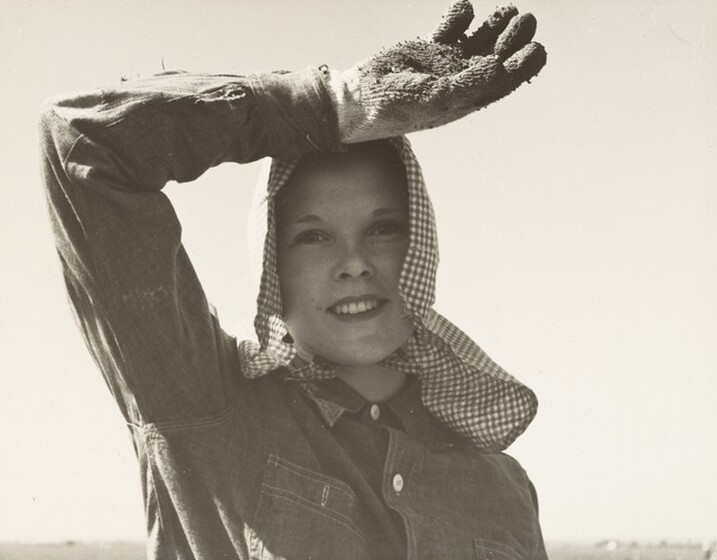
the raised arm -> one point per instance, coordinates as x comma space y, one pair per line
106, 154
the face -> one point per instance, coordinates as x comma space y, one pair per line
342, 236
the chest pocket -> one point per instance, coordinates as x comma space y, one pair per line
304, 514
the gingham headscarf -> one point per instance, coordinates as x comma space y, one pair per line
460, 384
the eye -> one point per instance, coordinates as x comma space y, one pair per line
389, 228
310, 237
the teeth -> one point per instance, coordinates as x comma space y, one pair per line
355, 307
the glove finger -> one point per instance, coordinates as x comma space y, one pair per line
525, 64
520, 32
481, 42
454, 22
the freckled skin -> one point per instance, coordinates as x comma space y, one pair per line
352, 244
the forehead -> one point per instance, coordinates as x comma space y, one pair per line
343, 182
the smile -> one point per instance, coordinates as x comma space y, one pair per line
356, 306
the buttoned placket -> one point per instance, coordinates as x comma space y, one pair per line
401, 473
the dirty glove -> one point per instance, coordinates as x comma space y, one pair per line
429, 82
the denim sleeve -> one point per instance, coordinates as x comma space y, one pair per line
106, 154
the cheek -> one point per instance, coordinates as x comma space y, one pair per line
299, 282
390, 262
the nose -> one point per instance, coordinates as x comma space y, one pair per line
353, 262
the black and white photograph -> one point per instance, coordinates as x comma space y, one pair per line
358, 280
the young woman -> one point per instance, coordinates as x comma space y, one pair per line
362, 425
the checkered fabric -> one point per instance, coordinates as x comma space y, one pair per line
460, 384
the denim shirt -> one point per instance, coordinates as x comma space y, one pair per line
231, 467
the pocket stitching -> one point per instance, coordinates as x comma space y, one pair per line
311, 475
267, 489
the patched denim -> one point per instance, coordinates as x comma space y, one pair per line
231, 467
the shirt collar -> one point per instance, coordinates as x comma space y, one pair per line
334, 398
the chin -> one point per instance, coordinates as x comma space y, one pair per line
353, 348
360, 353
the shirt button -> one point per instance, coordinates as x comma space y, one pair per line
397, 482
375, 412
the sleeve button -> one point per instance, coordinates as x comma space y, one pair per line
397, 482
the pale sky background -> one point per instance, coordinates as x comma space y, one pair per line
578, 230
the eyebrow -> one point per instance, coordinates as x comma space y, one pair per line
313, 218
309, 218
383, 211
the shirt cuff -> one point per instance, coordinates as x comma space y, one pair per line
298, 112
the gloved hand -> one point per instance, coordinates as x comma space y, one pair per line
429, 82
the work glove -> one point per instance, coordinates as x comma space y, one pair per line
424, 83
